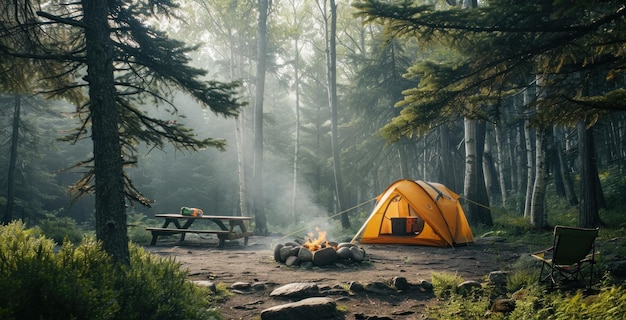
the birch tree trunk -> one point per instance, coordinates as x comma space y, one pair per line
500, 162
530, 168
537, 209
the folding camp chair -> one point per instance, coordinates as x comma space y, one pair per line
573, 250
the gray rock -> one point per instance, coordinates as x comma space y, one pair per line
425, 284
285, 252
344, 253
307, 265
258, 286
296, 290
503, 305
467, 287
345, 245
305, 254
240, 285
209, 284
498, 278
358, 254
277, 249
378, 287
325, 256
294, 251
400, 283
292, 261
307, 309
291, 244
356, 287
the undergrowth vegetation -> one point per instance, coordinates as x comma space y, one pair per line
533, 300
40, 280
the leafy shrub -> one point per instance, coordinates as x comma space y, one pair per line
61, 228
81, 282
445, 284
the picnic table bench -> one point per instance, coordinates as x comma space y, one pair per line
182, 224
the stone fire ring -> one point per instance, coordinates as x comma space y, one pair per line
293, 254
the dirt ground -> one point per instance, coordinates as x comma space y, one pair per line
252, 263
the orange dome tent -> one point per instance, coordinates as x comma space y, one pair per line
416, 213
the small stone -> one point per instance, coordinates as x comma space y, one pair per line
400, 283
344, 253
503, 305
296, 290
358, 254
467, 287
240, 285
307, 309
258, 286
378, 287
305, 254
285, 252
325, 256
209, 284
292, 261
345, 245
294, 251
307, 265
356, 286
277, 249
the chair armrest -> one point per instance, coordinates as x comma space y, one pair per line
540, 254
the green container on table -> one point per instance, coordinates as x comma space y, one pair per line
193, 212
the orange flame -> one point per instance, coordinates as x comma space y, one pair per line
317, 243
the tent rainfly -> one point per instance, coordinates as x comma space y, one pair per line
416, 213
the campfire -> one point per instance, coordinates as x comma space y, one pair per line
317, 251
319, 242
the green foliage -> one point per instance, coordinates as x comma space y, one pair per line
137, 223
445, 284
61, 229
81, 282
613, 186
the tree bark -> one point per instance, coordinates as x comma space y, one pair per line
590, 187
258, 204
537, 208
478, 206
331, 71
501, 166
109, 184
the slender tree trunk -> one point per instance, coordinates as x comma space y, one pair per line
15, 135
530, 168
501, 166
445, 151
110, 202
589, 182
568, 184
331, 61
478, 206
258, 203
537, 209
296, 151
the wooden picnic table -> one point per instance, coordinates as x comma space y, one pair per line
182, 224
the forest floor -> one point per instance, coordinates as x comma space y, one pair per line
254, 263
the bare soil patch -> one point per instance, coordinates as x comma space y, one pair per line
236, 262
